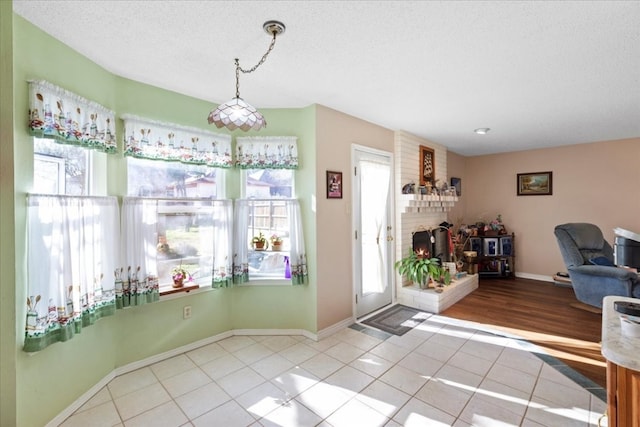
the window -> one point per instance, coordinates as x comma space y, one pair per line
153, 178
267, 191
61, 169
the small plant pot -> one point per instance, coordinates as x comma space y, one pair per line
276, 246
178, 283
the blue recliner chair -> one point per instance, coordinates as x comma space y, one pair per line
589, 261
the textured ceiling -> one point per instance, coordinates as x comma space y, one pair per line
539, 74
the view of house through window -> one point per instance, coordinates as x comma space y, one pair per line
60, 169
156, 178
268, 218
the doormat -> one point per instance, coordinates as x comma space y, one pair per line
397, 320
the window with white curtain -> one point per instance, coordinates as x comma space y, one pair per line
61, 169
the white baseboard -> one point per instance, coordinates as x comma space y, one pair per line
336, 328
130, 367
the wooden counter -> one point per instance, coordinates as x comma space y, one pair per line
623, 368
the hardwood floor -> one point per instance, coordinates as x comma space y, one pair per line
542, 313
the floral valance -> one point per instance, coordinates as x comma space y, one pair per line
70, 119
267, 152
149, 139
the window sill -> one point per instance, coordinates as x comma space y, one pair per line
170, 290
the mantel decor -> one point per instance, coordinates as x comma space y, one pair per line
427, 166
535, 184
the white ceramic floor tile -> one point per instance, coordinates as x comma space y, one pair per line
235, 343
298, 353
512, 377
416, 413
406, 341
481, 412
550, 373
261, 400
383, 398
229, 414
185, 382
504, 396
207, 353
103, 415
141, 401
450, 398
272, 366
293, 414
520, 360
574, 397
552, 414
464, 379
322, 365
344, 352
222, 367
131, 381
253, 353
165, 415
435, 351
349, 379
240, 381
420, 364
358, 339
404, 379
295, 381
103, 396
482, 349
470, 363
173, 366
356, 413
322, 345
202, 400
371, 364
323, 399
447, 338
279, 342
391, 352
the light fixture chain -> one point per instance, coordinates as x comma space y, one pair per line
264, 57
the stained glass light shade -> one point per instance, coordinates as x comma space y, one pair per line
237, 114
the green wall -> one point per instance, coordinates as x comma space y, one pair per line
47, 382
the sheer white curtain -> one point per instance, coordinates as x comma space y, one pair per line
72, 250
298, 253
374, 200
222, 244
241, 241
136, 276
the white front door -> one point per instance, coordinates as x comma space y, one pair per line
373, 233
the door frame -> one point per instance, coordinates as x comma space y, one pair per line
392, 220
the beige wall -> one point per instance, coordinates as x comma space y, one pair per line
335, 134
596, 182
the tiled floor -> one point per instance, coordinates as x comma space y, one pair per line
443, 372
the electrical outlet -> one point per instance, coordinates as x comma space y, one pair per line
186, 312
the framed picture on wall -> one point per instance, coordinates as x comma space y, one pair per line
334, 185
427, 165
457, 184
535, 184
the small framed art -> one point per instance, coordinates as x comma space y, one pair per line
334, 185
506, 246
490, 247
427, 165
535, 184
457, 184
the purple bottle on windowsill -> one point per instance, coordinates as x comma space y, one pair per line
287, 268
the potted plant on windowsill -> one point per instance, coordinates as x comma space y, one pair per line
276, 242
259, 242
419, 269
179, 274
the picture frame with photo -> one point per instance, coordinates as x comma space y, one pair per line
506, 246
491, 247
334, 185
535, 184
475, 243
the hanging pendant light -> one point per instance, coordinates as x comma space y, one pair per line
238, 114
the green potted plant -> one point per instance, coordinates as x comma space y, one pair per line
179, 274
259, 242
419, 269
276, 242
